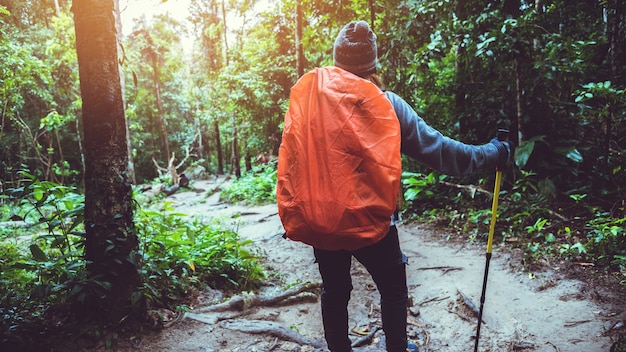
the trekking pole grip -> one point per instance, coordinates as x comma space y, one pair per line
504, 146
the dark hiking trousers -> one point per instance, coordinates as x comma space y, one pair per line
387, 265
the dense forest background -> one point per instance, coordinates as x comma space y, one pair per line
552, 72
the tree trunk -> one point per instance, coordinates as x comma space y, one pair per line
612, 32
81, 149
218, 142
130, 174
519, 121
372, 14
299, 50
248, 161
61, 157
160, 118
511, 9
247, 158
236, 156
539, 11
459, 91
111, 242
225, 33
200, 148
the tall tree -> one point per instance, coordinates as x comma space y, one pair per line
156, 93
152, 53
299, 51
460, 72
111, 242
205, 15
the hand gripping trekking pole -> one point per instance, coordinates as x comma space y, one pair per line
502, 135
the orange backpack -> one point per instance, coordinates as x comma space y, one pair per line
339, 164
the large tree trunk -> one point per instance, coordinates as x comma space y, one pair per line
111, 243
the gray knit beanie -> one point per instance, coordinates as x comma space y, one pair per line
355, 48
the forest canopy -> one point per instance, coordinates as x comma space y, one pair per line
552, 72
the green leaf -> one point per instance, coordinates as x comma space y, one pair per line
571, 153
575, 155
411, 194
580, 247
523, 153
38, 194
37, 253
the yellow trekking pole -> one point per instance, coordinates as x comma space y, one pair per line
502, 136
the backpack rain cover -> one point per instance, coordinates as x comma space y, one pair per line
339, 164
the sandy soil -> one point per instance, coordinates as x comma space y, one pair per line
524, 311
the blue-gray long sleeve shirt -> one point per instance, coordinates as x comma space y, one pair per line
428, 146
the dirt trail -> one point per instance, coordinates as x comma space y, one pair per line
540, 311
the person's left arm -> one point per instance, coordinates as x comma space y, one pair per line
430, 147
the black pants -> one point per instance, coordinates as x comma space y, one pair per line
387, 265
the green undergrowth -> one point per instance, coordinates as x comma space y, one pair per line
545, 229
182, 253
256, 187
44, 270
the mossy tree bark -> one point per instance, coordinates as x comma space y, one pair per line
111, 242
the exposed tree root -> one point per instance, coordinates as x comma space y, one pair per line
269, 328
244, 302
225, 313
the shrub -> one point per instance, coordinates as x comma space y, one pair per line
254, 188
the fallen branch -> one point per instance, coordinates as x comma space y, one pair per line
434, 299
569, 324
445, 269
472, 190
269, 328
469, 188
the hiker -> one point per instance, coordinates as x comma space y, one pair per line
355, 60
